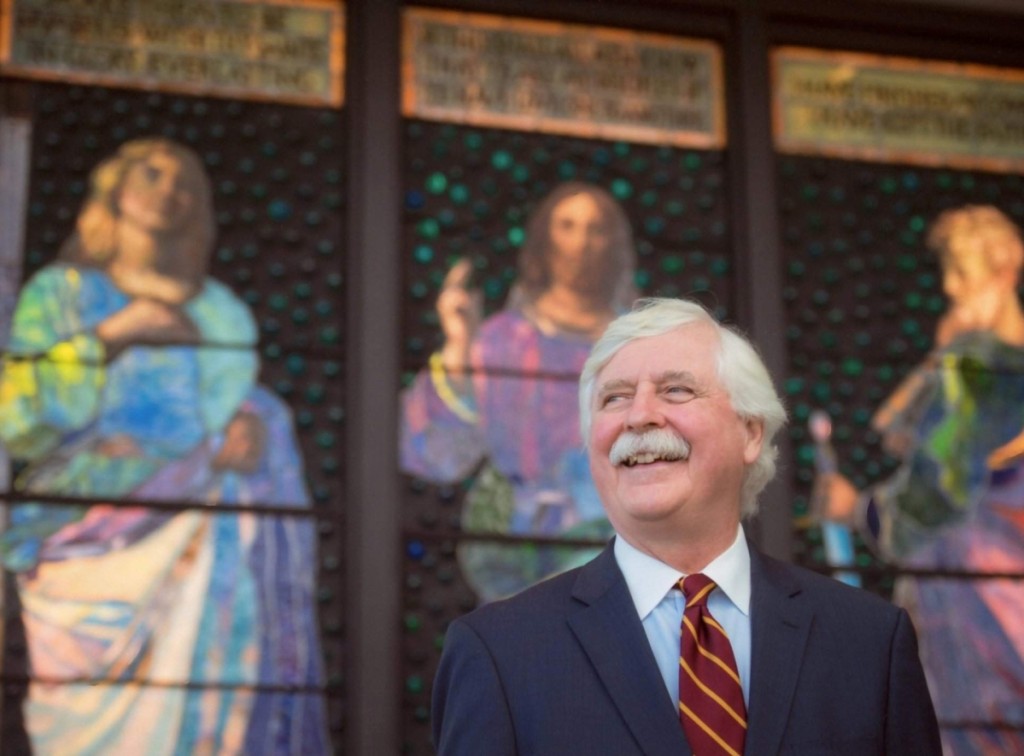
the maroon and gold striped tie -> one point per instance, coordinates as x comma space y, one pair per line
710, 696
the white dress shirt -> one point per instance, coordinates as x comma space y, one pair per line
652, 584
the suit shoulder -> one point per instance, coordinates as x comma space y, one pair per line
537, 606
832, 595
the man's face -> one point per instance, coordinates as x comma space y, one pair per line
669, 384
158, 194
579, 242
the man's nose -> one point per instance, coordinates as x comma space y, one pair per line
644, 411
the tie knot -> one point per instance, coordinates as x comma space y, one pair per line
696, 588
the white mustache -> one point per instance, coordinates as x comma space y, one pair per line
631, 448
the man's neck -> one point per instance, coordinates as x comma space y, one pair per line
687, 555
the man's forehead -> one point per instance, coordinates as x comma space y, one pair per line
631, 378
685, 343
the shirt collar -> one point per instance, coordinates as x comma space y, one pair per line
649, 580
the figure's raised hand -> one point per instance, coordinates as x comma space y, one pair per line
976, 310
459, 311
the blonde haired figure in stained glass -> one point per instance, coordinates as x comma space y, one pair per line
131, 375
956, 503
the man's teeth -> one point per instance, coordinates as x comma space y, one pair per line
648, 458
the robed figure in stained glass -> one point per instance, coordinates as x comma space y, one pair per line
498, 400
132, 375
956, 503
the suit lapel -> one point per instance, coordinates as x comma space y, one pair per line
613, 638
780, 624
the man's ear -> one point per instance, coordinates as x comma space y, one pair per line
754, 427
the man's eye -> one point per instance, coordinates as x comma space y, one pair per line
679, 392
611, 399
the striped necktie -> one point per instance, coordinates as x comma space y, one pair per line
710, 697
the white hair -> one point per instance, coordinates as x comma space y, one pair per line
740, 370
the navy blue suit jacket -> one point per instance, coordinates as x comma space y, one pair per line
565, 668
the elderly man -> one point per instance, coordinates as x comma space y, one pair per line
681, 637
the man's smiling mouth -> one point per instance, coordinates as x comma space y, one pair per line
659, 445
647, 458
